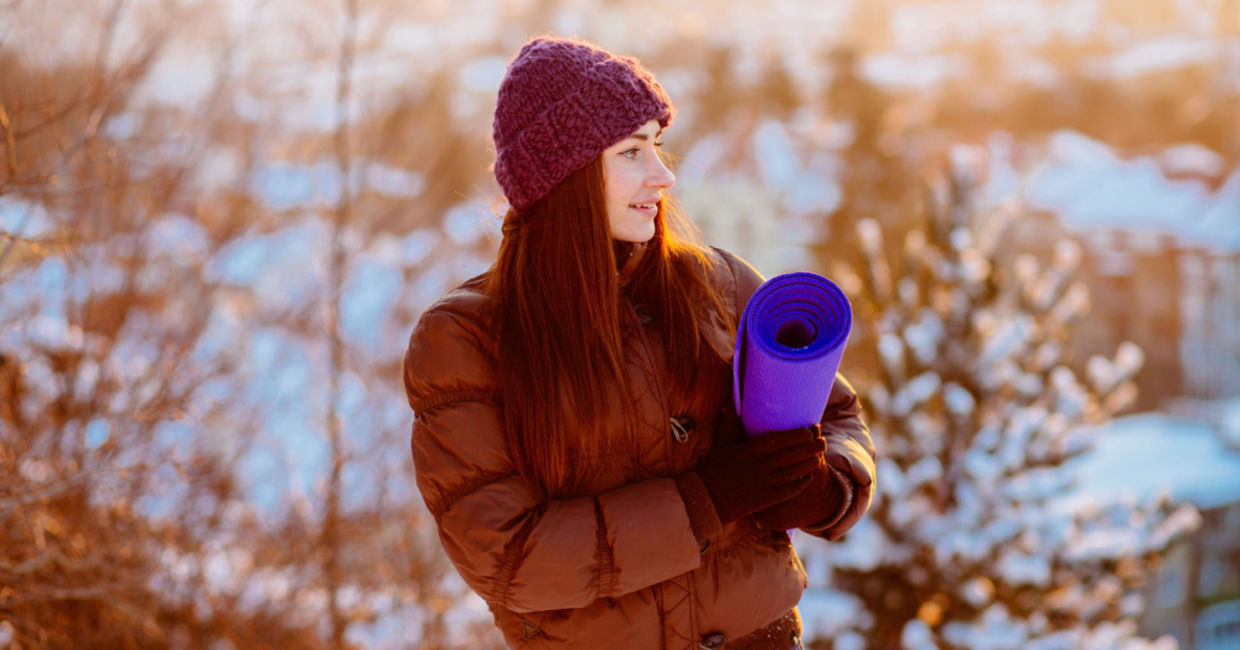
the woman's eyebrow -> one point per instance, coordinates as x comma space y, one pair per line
643, 136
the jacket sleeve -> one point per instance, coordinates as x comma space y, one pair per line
850, 448
850, 456
514, 546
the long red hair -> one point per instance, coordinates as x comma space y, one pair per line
561, 363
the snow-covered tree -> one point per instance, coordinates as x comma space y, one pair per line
972, 541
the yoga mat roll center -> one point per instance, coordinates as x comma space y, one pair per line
789, 344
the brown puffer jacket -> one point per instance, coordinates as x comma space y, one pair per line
617, 566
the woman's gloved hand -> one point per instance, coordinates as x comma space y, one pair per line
744, 474
819, 506
837, 498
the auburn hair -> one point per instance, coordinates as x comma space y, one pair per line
556, 285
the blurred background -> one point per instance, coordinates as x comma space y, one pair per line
220, 219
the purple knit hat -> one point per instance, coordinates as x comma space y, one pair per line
561, 103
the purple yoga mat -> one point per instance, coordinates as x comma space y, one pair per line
789, 343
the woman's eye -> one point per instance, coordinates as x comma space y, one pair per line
629, 153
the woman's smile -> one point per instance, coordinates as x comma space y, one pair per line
649, 209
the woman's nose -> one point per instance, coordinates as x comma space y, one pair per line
660, 176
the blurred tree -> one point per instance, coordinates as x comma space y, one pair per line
775, 94
878, 176
970, 543
107, 502
419, 132
139, 424
718, 95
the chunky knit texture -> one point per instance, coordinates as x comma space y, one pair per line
561, 103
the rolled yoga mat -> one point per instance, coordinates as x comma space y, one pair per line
789, 343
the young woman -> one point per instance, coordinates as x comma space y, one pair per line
574, 437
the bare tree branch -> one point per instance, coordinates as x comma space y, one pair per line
332, 537
10, 144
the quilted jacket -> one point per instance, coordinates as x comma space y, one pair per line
617, 565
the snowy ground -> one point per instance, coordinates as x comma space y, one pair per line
1134, 457
1141, 455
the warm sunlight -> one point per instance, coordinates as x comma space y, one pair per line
226, 227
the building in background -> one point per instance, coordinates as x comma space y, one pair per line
1161, 236
1210, 308
1195, 594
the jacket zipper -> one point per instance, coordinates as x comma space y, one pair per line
654, 372
667, 446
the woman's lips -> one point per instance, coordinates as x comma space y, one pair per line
648, 209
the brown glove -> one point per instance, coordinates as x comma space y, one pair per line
743, 474
821, 504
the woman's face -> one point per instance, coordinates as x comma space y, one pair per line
635, 180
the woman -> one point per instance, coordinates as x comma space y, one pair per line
574, 437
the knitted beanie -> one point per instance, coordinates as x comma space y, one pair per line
561, 103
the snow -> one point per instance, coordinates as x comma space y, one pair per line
1090, 188
483, 75
393, 181
923, 336
183, 80
1008, 336
1019, 568
914, 72
284, 268
96, 433
923, 471
179, 237
1229, 423
1153, 55
23, 218
981, 465
366, 303
916, 635
217, 170
825, 614
959, 400
281, 186
701, 157
1142, 455
465, 223
1182, 519
868, 548
1071, 306
53, 332
1101, 372
1037, 484
978, 591
804, 187
417, 245
776, 160
995, 631
1129, 358
1191, 159
922, 387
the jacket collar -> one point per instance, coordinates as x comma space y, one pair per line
712, 325
628, 266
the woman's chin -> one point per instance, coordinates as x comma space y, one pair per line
639, 237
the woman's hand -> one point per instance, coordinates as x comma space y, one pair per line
746, 474
820, 505
835, 500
